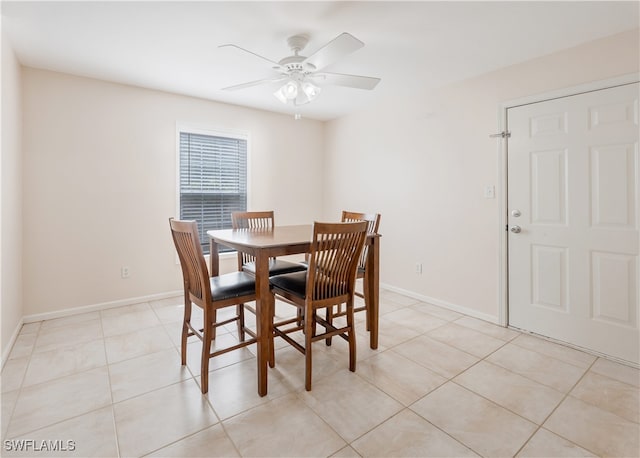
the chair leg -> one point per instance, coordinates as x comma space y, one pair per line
185, 331
309, 324
352, 337
207, 337
240, 321
365, 287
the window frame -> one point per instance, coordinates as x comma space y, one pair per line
215, 132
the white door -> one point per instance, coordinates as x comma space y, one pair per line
573, 184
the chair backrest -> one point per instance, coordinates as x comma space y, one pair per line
251, 220
194, 267
373, 223
372, 219
333, 260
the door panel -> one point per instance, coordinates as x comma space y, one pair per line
613, 185
573, 179
549, 277
549, 187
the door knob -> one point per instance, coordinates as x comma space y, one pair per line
516, 229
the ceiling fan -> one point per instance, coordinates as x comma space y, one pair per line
303, 76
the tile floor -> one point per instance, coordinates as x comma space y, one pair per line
441, 384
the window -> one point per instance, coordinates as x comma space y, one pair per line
213, 180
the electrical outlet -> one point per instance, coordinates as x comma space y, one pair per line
124, 272
419, 268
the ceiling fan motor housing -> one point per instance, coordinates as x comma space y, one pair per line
295, 64
297, 43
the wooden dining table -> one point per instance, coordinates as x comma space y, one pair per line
281, 241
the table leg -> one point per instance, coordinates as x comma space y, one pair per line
373, 286
263, 317
214, 259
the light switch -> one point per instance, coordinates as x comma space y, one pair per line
489, 192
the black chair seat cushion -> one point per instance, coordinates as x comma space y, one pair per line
234, 284
276, 267
294, 283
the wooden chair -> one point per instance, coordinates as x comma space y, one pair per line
210, 294
263, 220
373, 223
328, 281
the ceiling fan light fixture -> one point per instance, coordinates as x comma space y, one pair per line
289, 91
279, 94
311, 90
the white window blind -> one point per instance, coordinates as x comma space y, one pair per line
213, 180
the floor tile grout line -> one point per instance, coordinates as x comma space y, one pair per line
67, 375
107, 363
451, 380
411, 411
49, 425
444, 431
408, 408
539, 354
298, 392
518, 333
543, 339
111, 406
24, 376
299, 395
183, 438
607, 376
566, 395
190, 379
538, 425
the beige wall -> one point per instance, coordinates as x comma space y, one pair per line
100, 184
97, 155
11, 199
423, 164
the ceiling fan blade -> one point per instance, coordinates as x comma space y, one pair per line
254, 83
339, 79
274, 63
340, 46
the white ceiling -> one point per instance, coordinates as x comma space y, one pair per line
173, 46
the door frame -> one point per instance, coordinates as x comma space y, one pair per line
503, 280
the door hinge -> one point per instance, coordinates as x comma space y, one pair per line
502, 134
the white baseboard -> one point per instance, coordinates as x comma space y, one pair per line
100, 306
78, 310
432, 300
136, 300
12, 341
